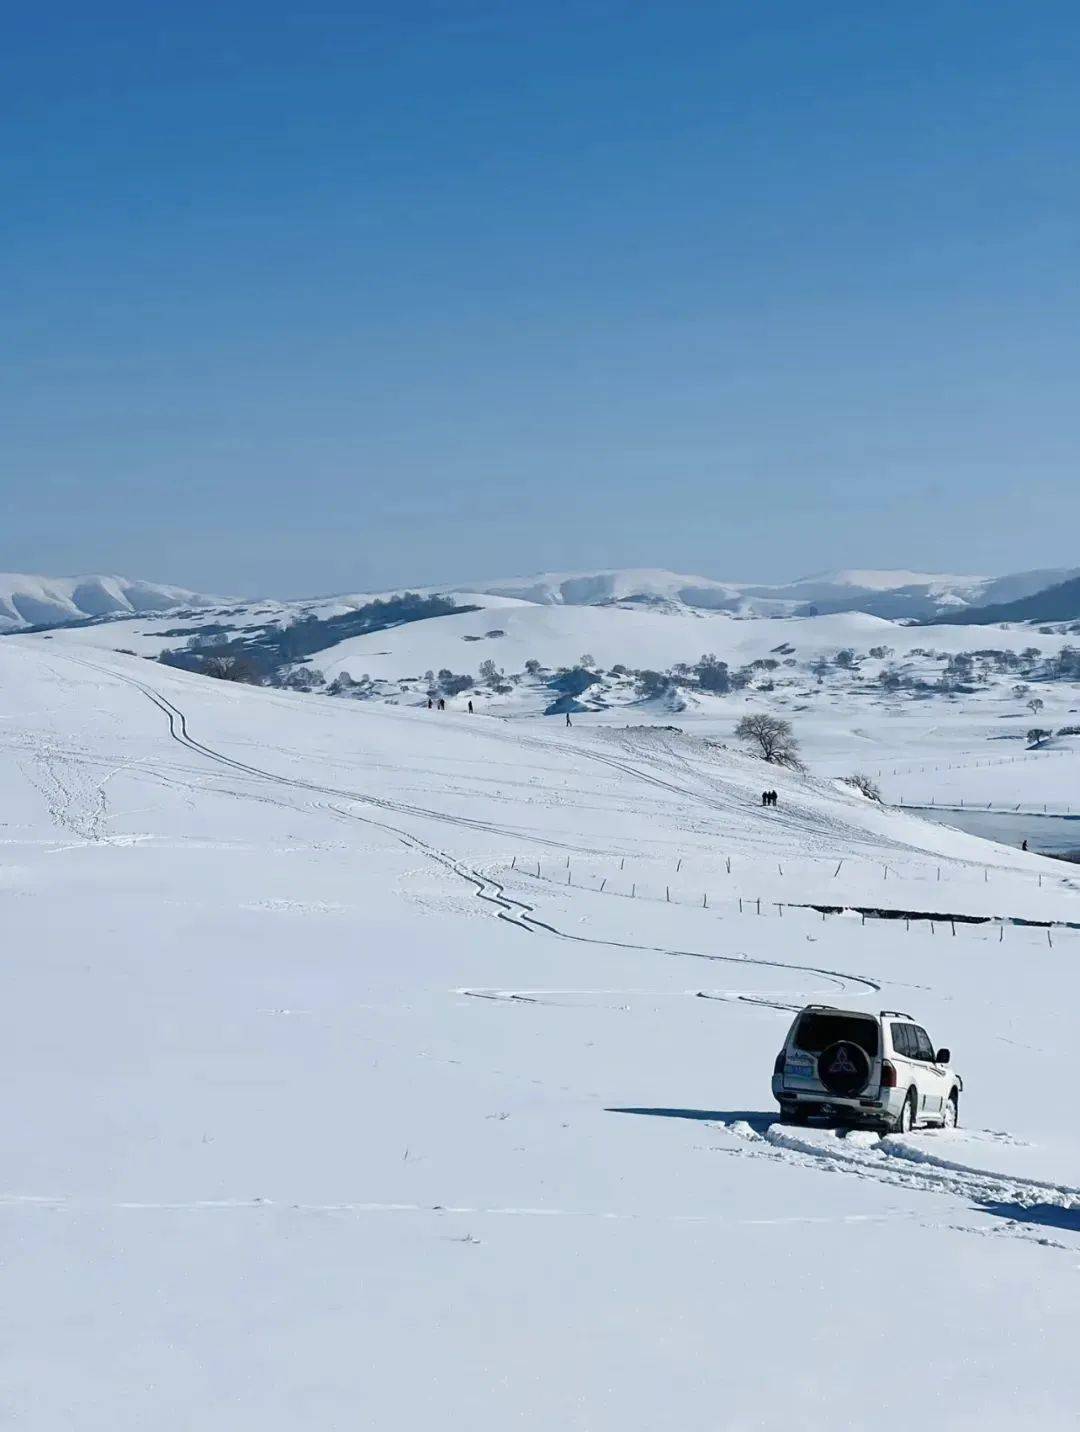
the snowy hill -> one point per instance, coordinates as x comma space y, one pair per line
628, 584
635, 638
51, 601
863, 691
418, 1063
27, 600
891, 594
1060, 602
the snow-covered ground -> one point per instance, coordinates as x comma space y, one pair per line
924, 746
376, 1067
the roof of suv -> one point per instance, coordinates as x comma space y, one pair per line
856, 1013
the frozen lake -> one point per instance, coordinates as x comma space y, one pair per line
1048, 834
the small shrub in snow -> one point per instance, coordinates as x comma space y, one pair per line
864, 784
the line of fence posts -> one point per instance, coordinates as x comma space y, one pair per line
778, 903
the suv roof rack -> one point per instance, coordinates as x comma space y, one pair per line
899, 1013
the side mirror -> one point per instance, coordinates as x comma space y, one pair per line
943, 1056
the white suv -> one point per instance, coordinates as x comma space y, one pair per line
853, 1067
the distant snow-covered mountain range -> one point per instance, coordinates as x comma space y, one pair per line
29, 600
891, 594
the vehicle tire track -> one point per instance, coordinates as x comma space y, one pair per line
514, 912
893, 1162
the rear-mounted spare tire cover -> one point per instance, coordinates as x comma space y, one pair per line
843, 1069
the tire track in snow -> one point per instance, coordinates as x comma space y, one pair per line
515, 912
178, 730
60, 1204
900, 1164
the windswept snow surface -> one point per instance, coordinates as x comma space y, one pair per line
371, 1067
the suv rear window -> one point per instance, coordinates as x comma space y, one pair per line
816, 1032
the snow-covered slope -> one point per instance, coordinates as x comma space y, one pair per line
411, 1069
636, 638
27, 600
512, 630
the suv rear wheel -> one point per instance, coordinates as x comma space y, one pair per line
905, 1120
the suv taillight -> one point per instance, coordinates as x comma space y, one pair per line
778, 1067
888, 1075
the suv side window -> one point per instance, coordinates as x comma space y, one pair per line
925, 1048
900, 1040
909, 1044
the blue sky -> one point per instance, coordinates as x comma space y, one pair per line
380, 293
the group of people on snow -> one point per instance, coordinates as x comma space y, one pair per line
769, 798
441, 703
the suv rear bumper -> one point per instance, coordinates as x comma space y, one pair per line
880, 1107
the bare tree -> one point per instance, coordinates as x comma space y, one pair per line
1035, 705
232, 668
652, 683
771, 738
863, 783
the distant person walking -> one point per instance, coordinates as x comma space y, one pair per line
1023, 845
764, 798
430, 703
470, 708
568, 721
442, 704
